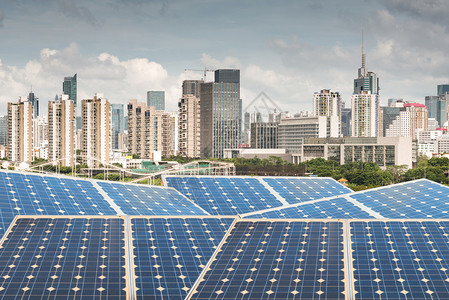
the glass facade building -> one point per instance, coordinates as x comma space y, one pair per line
117, 123
69, 87
4, 130
156, 99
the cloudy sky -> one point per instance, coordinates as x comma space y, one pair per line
288, 49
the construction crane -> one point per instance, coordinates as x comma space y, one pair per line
204, 72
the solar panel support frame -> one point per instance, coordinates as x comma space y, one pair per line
349, 282
363, 207
129, 253
273, 192
107, 198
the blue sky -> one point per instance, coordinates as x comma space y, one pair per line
288, 49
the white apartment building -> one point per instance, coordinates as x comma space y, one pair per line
328, 104
189, 126
365, 111
20, 131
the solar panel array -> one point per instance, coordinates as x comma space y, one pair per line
170, 253
149, 200
281, 239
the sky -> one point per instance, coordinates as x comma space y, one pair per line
287, 49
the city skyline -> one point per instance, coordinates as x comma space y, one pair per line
282, 50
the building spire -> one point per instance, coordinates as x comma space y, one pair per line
362, 70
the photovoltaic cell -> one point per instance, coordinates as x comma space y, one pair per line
69, 258
401, 260
277, 260
149, 200
301, 189
334, 208
170, 253
28, 194
419, 199
225, 195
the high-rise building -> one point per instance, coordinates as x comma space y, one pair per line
96, 130
366, 81
365, 107
293, 131
264, 135
4, 130
189, 125
165, 129
117, 123
20, 131
328, 104
220, 113
389, 114
34, 103
192, 87
410, 118
61, 131
141, 137
442, 89
156, 99
40, 137
69, 87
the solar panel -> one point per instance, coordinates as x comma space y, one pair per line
401, 260
170, 253
225, 195
414, 199
78, 258
300, 189
149, 200
332, 208
277, 260
28, 194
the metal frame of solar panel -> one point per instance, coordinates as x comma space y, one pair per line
171, 252
138, 199
58, 257
37, 194
225, 195
337, 207
420, 198
301, 189
277, 259
400, 259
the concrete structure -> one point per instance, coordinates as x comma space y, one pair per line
264, 135
328, 104
62, 131
220, 113
259, 153
437, 108
40, 137
365, 107
411, 117
366, 81
346, 117
165, 129
156, 99
70, 88
4, 130
292, 131
382, 151
20, 131
192, 87
96, 131
34, 103
189, 125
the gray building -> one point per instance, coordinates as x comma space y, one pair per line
192, 87
388, 114
34, 103
346, 115
117, 123
156, 99
442, 89
69, 87
437, 108
293, 131
264, 135
220, 113
4, 130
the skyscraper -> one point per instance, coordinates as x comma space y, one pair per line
69, 87
328, 104
192, 87
4, 130
20, 131
156, 99
141, 129
117, 123
365, 102
220, 113
34, 103
442, 89
96, 130
61, 130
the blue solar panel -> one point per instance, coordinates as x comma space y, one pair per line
334, 208
277, 260
170, 253
414, 199
401, 260
76, 258
300, 189
225, 195
28, 194
149, 200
